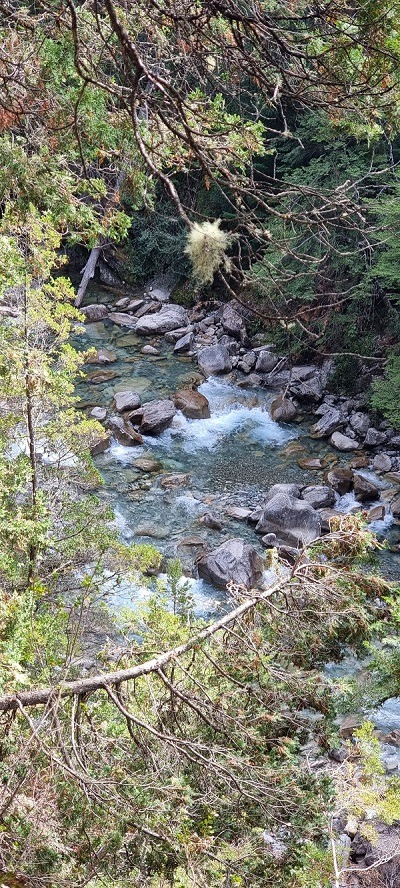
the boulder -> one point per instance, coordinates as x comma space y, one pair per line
377, 513
122, 319
395, 507
293, 520
234, 561
283, 409
311, 389
99, 413
157, 415
135, 304
126, 401
247, 362
340, 479
364, 490
95, 312
146, 309
173, 336
289, 489
122, 303
124, 432
382, 462
193, 404
374, 438
395, 442
329, 423
232, 322
101, 444
214, 359
319, 496
342, 442
266, 362
326, 516
170, 317
360, 423
184, 344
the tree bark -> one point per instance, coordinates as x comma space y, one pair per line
90, 267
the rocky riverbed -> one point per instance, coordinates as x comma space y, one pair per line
217, 449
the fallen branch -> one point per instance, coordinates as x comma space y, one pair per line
42, 696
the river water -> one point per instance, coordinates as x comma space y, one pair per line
230, 459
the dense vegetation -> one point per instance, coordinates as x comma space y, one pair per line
251, 149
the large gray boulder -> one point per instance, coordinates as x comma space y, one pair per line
214, 359
122, 319
234, 561
170, 317
293, 520
341, 479
126, 401
374, 438
157, 416
193, 404
319, 496
364, 489
329, 423
360, 423
283, 409
232, 322
342, 442
95, 312
266, 361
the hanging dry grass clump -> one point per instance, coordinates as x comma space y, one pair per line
206, 247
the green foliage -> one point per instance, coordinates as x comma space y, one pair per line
386, 392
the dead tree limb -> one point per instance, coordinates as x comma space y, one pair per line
42, 696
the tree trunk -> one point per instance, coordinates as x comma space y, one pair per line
90, 267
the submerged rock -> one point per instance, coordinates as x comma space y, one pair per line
234, 561
157, 416
147, 464
193, 404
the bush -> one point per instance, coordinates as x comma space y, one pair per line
386, 392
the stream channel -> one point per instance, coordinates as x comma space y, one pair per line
229, 459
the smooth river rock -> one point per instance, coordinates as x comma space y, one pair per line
234, 561
364, 489
319, 496
124, 432
95, 312
126, 401
122, 319
214, 359
293, 520
157, 415
342, 442
170, 317
341, 479
283, 409
192, 404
